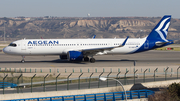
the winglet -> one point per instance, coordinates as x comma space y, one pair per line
124, 42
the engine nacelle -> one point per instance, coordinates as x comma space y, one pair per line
75, 56
63, 57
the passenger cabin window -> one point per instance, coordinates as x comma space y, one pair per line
12, 44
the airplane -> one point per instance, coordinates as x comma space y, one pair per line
85, 49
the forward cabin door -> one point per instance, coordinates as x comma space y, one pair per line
23, 46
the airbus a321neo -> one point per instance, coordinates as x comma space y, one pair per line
85, 49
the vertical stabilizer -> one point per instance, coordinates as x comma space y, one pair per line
161, 29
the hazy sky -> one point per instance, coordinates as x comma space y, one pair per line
96, 8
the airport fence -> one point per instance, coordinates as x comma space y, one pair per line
83, 70
37, 82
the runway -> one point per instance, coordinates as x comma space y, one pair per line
149, 58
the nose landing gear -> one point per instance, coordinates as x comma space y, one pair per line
23, 59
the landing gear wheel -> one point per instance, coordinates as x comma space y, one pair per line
22, 61
86, 59
92, 60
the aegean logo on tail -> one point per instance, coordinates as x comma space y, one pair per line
163, 32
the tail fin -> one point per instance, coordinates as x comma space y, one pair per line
161, 29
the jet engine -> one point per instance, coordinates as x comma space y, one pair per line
75, 56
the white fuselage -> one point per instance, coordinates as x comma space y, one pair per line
62, 46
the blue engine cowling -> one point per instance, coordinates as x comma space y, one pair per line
75, 56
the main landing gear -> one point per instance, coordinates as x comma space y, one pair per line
92, 60
86, 59
23, 59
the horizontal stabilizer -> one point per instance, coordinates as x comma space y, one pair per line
162, 43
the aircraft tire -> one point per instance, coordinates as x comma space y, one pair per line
92, 60
22, 61
86, 59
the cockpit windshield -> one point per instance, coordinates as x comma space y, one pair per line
12, 44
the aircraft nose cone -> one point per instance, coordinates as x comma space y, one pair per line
5, 50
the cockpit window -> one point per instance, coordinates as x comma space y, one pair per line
12, 44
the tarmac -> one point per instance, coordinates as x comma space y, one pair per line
106, 63
149, 60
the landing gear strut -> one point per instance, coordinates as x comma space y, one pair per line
23, 60
92, 60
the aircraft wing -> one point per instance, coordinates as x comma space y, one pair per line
96, 50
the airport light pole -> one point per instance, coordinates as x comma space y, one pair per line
104, 79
